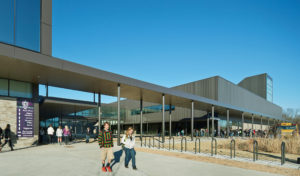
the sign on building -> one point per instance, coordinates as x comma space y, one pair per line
25, 118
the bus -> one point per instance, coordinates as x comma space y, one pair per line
288, 129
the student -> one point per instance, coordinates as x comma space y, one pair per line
7, 137
1, 137
87, 136
59, 133
67, 134
106, 144
42, 133
129, 141
50, 132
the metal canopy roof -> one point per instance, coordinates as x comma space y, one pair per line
24, 65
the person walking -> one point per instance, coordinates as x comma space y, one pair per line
106, 144
42, 133
50, 132
59, 133
7, 137
88, 134
67, 134
95, 134
1, 137
129, 141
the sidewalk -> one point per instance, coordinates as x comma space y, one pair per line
84, 160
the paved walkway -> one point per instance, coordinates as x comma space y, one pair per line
83, 160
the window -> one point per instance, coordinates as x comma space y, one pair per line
20, 89
20, 23
4, 87
7, 21
27, 21
269, 89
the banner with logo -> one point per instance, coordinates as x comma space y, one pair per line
25, 118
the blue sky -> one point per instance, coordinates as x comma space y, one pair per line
170, 42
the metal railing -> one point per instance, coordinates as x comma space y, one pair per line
197, 139
232, 142
170, 142
255, 150
282, 153
185, 143
212, 146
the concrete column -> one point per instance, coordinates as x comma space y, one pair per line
252, 124
243, 120
268, 123
141, 113
170, 120
227, 123
99, 111
212, 121
163, 118
119, 115
192, 121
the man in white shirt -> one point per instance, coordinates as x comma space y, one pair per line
50, 132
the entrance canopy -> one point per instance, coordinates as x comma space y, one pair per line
24, 65
56, 107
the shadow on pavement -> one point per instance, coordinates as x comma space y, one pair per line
117, 156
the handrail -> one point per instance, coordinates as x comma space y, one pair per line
282, 153
197, 139
170, 142
232, 142
255, 150
181, 143
212, 145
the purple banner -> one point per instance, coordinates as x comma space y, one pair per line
25, 118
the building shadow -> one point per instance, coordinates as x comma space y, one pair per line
117, 155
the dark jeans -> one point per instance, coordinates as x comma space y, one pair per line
66, 140
87, 138
9, 143
50, 139
130, 154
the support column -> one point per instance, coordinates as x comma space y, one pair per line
99, 111
207, 124
252, 125
243, 120
170, 120
227, 123
94, 97
119, 121
261, 123
268, 123
46, 90
163, 118
212, 121
192, 122
141, 113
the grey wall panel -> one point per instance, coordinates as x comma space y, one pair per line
256, 84
205, 88
230, 93
46, 27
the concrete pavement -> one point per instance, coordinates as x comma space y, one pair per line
84, 160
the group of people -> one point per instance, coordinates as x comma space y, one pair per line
105, 140
60, 134
6, 135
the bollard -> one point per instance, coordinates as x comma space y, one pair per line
159, 142
170, 142
232, 142
149, 142
255, 150
145, 137
141, 137
212, 145
282, 153
197, 139
181, 143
